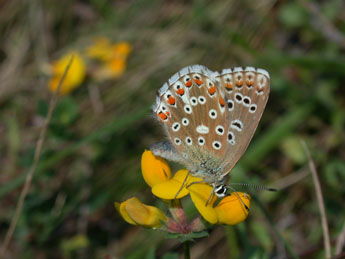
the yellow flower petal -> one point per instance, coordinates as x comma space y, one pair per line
168, 189
200, 193
100, 49
121, 49
75, 74
231, 210
116, 67
154, 169
121, 209
144, 215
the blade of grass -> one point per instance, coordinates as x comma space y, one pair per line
320, 201
30, 174
274, 227
110, 128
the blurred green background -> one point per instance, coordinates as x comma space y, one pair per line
91, 156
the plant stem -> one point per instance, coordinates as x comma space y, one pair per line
187, 249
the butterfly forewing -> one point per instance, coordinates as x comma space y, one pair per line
246, 93
210, 117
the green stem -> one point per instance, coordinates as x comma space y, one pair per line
187, 249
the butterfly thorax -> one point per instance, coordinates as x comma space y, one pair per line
205, 165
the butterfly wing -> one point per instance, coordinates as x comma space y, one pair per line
246, 94
191, 106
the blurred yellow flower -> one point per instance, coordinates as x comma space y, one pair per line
135, 212
74, 76
113, 57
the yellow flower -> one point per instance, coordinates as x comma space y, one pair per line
230, 210
121, 49
74, 76
113, 57
154, 169
100, 49
135, 212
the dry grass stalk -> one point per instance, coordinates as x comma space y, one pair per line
320, 201
32, 169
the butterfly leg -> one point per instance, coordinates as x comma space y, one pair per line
209, 198
184, 182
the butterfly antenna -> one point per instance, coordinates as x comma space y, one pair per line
256, 186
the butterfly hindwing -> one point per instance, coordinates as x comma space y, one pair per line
246, 93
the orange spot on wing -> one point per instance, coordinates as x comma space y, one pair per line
212, 90
162, 116
249, 82
198, 81
239, 83
221, 101
180, 91
168, 113
189, 83
229, 86
171, 100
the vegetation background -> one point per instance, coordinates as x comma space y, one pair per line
91, 156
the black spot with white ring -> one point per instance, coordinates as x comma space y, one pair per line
212, 113
177, 141
185, 122
246, 101
238, 97
188, 109
186, 79
193, 101
189, 141
176, 126
197, 76
237, 124
217, 145
220, 130
202, 99
252, 108
230, 105
201, 141
231, 138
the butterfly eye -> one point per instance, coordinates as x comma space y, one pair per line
221, 191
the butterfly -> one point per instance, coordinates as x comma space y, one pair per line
209, 118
